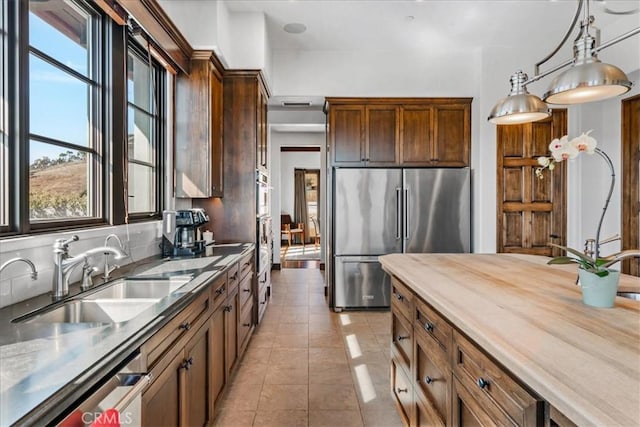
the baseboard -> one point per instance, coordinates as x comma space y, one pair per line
276, 266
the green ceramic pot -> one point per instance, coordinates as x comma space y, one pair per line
599, 291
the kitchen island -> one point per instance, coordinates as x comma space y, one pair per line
47, 367
514, 340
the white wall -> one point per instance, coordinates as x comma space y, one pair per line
280, 139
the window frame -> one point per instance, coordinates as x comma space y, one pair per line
159, 84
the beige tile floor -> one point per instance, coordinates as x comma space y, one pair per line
307, 366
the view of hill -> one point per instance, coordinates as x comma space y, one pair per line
58, 190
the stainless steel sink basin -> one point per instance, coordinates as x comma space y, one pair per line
140, 288
94, 311
630, 295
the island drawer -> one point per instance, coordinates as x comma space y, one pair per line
401, 340
402, 392
493, 387
245, 290
189, 319
219, 290
232, 276
432, 382
433, 327
245, 265
246, 323
401, 298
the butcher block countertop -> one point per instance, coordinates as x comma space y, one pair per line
529, 316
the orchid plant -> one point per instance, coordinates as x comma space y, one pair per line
563, 149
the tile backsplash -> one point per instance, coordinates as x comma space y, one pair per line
141, 240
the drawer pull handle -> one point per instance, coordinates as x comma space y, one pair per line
428, 327
400, 297
187, 363
235, 276
246, 290
246, 325
264, 302
402, 390
403, 337
428, 379
220, 291
186, 326
227, 308
482, 383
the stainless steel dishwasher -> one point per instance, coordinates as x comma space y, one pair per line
117, 402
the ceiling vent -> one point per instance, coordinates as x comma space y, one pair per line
296, 103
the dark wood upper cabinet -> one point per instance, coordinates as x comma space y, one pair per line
198, 126
428, 132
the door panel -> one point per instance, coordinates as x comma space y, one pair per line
438, 210
361, 282
531, 212
366, 211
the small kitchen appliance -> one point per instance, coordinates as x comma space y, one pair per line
181, 232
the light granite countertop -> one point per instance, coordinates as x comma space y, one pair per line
529, 316
46, 366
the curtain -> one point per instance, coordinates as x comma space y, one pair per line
300, 200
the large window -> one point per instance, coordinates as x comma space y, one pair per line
145, 132
65, 95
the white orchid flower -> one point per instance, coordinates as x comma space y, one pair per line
585, 143
544, 161
562, 149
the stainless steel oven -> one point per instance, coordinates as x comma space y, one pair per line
264, 239
262, 183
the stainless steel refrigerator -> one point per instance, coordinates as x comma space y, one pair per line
382, 211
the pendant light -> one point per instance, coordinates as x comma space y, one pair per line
588, 79
519, 106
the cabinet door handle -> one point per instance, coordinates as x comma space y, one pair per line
227, 308
403, 337
428, 379
400, 297
186, 326
402, 390
246, 325
235, 276
264, 302
220, 291
482, 383
187, 363
428, 327
246, 290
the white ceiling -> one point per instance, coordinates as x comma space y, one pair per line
407, 24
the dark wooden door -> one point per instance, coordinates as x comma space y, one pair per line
217, 353
452, 135
231, 317
346, 128
630, 181
198, 401
161, 401
416, 134
530, 212
381, 135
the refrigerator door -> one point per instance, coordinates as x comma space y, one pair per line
367, 211
437, 210
360, 283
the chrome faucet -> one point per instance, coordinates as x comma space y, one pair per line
34, 272
64, 264
107, 270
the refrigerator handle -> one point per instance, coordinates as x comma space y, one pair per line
406, 213
398, 214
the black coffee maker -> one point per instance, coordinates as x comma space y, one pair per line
181, 232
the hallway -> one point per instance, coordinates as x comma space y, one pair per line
308, 366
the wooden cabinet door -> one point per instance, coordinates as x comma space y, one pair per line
530, 212
432, 383
217, 161
382, 133
232, 316
261, 140
346, 127
198, 398
467, 412
416, 134
161, 400
451, 135
217, 353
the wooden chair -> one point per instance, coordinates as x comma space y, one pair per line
291, 229
316, 228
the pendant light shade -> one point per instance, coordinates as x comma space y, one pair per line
519, 106
588, 79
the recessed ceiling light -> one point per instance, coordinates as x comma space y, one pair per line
295, 28
409, 17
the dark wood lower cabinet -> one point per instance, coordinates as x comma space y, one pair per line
466, 410
232, 316
160, 402
218, 374
198, 402
432, 385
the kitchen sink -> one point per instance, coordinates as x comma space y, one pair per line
630, 295
95, 311
140, 288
